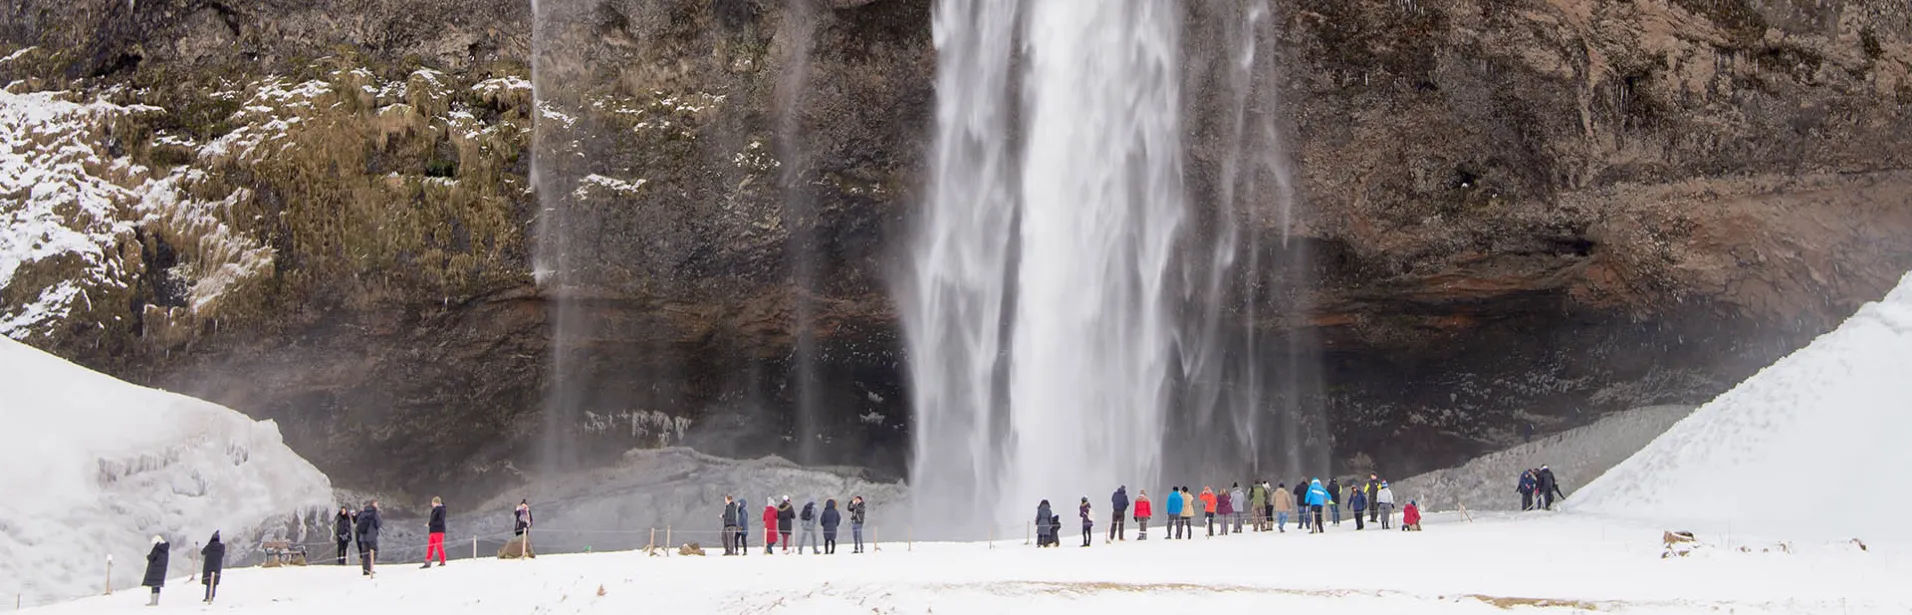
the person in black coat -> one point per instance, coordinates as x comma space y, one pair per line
156, 561
1120, 502
368, 528
730, 526
435, 531
831, 519
213, 561
1549, 487
342, 531
786, 522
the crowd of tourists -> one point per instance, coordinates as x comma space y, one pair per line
1259, 507
781, 519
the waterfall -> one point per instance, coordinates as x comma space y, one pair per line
1074, 240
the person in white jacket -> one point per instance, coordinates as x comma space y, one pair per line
1384, 501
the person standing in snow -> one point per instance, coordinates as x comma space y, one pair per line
743, 526
436, 530
1224, 505
786, 522
856, 522
342, 531
1301, 503
1374, 490
769, 526
1384, 500
1237, 505
1411, 517
1208, 509
1188, 514
1317, 499
212, 559
1359, 504
1045, 533
831, 518
1257, 500
1142, 513
1088, 522
1174, 511
1528, 485
521, 518
1334, 501
156, 561
1549, 487
1119, 503
1284, 505
368, 528
809, 520
729, 536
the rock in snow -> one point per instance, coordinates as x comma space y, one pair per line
95, 467
1815, 446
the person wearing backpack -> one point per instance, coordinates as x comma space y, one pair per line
808, 518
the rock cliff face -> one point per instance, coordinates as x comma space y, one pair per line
1512, 212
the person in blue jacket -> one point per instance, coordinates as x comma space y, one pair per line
743, 526
1358, 502
831, 518
1174, 514
1527, 488
1317, 498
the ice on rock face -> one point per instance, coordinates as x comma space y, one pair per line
1812, 447
96, 467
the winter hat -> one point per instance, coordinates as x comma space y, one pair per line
158, 540
786, 498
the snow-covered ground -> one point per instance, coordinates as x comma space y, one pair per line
1536, 563
1576, 456
94, 467
1812, 447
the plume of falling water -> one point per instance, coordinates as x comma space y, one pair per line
1065, 253
799, 216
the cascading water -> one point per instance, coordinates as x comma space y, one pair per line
1065, 294
1093, 207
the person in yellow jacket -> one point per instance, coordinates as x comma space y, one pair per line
1188, 514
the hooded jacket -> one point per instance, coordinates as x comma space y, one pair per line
1238, 500
1317, 494
213, 558
808, 516
1208, 501
1120, 501
1083, 512
1284, 502
831, 518
1043, 513
743, 516
369, 525
769, 524
1359, 502
1527, 484
1142, 508
1384, 497
786, 516
1224, 504
156, 561
1411, 514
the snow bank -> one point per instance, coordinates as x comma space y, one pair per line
97, 466
1813, 446
1576, 456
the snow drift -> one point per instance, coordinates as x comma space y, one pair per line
97, 466
1811, 447
1576, 456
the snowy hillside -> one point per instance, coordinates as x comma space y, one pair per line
1553, 564
1576, 456
96, 467
1814, 446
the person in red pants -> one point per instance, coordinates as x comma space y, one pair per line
437, 529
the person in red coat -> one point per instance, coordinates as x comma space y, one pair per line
1142, 513
769, 526
1411, 518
